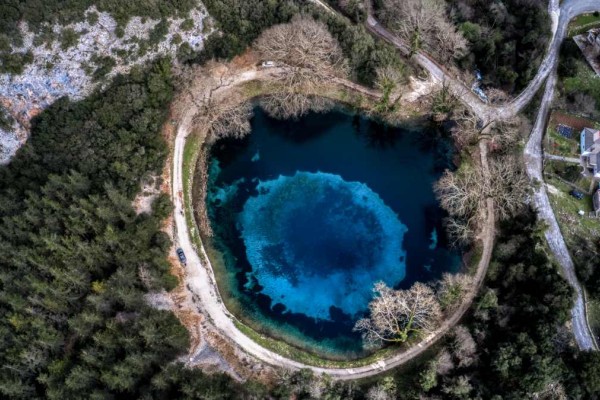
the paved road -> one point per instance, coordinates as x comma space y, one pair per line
560, 17
561, 158
533, 161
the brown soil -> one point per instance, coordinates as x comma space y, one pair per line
577, 123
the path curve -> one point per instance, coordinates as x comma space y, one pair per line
201, 282
560, 17
200, 278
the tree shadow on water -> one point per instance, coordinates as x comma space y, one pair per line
304, 128
376, 134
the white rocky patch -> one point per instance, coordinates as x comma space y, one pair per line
55, 72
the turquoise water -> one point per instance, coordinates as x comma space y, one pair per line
311, 213
316, 241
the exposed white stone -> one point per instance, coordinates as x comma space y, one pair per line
55, 72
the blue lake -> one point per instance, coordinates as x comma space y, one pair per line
309, 214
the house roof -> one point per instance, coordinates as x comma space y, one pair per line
588, 137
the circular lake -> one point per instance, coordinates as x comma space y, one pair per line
308, 214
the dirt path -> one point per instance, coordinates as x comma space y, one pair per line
200, 280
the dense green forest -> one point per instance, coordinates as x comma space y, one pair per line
75, 324
241, 21
520, 346
508, 38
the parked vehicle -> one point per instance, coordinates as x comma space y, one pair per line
181, 256
577, 194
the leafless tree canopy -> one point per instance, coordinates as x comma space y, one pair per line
504, 134
444, 363
309, 57
423, 23
464, 192
463, 346
389, 80
304, 44
385, 390
507, 133
286, 105
395, 314
219, 116
225, 119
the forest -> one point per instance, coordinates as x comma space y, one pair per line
515, 343
72, 252
507, 39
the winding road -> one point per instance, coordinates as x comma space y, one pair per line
200, 278
560, 17
533, 153
534, 166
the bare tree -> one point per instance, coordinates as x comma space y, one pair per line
452, 289
389, 79
304, 45
384, 390
444, 363
396, 314
285, 104
463, 346
424, 24
309, 56
460, 230
459, 387
227, 119
506, 133
448, 41
552, 391
464, 192
509, 185
461, 193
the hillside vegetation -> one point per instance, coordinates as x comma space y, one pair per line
76, 260
507, 38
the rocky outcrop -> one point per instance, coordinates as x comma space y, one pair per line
101, 50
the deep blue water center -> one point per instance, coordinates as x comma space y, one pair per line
315, 241
309, 214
